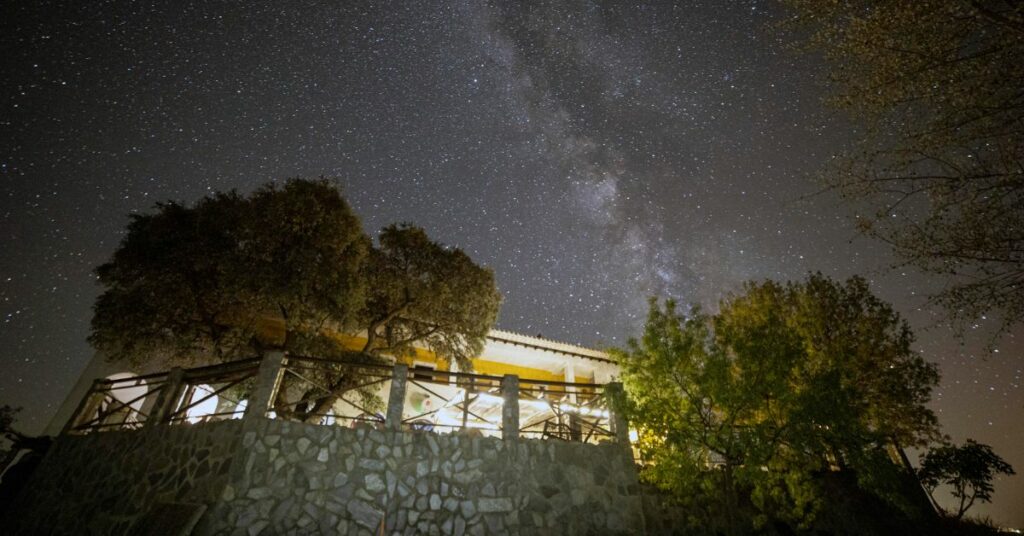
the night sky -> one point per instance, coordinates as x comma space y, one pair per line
592, 155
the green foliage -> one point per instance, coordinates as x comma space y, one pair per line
968, 469
938, 86
191, 285
422, 292
785, 382
200, 284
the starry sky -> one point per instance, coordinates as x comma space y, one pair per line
593, 154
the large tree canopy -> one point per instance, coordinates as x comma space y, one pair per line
938, 86
195, 284
786, 381
422, 292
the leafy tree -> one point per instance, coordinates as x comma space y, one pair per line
16, 440
422, 292
938, 86
191, 285
784, 382
205, 283
7, 432
968, 469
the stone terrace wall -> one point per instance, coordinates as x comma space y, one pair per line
103, 483
270, 477
304, 479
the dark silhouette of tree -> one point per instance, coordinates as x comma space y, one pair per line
216, 281
938, 86
194, 284
418, 292
968, 469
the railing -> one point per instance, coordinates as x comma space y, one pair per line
450, 401
329, 392
324, 391
117, 404
566, 411
214, 393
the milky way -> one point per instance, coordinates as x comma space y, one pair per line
593, 155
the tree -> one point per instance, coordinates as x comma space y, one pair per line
16, 471
422, 292
938, 86
783, 383
968, 469
211, 282
194, 285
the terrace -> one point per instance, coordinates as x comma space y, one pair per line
384, 397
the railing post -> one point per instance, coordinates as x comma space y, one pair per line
396, 399
268, 380
166, 399
620, 427
510, 407
86, 408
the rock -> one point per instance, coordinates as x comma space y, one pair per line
435, 502
258, 493
498, 504
257, 527
391, 481
364, 514
372, 465
374, 483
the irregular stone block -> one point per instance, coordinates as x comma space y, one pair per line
365, 514
374, 483
495, 504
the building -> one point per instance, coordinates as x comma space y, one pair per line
527, 444
538, 362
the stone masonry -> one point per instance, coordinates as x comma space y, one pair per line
264, 476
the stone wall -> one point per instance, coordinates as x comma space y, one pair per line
333, 480
264, 476
104, 483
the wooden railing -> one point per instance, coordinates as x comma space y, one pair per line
352, 393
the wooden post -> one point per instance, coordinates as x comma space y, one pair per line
620, 427
396, 399
167, 399
510, 407
465, 403
87, 408
268, 380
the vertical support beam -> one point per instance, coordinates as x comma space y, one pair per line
614, 394
396, 399
86, 409
467, 399
166, 399
570, 377
268, 380
510, 407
